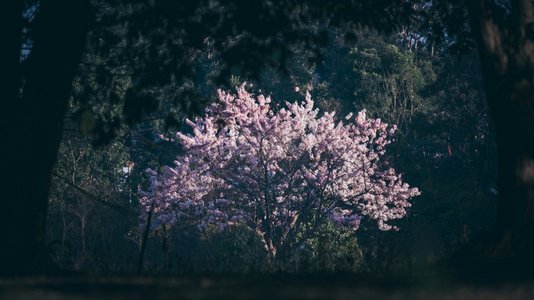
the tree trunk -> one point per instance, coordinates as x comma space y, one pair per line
507, 60
34, 132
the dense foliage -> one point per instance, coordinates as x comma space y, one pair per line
138, 79
436, 137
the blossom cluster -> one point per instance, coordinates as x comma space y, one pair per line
273, 170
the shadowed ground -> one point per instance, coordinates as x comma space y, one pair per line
259, 287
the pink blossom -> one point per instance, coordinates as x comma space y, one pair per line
273, 170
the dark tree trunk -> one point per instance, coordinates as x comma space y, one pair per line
9, 116
506, 51
34, 131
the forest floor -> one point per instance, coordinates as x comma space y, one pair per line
277, 287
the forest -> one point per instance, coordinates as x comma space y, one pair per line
247, 141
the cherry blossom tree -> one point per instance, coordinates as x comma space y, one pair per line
281, 173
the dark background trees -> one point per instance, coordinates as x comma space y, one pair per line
132, 69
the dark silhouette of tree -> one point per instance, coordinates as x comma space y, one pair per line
505, 39
34, 102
